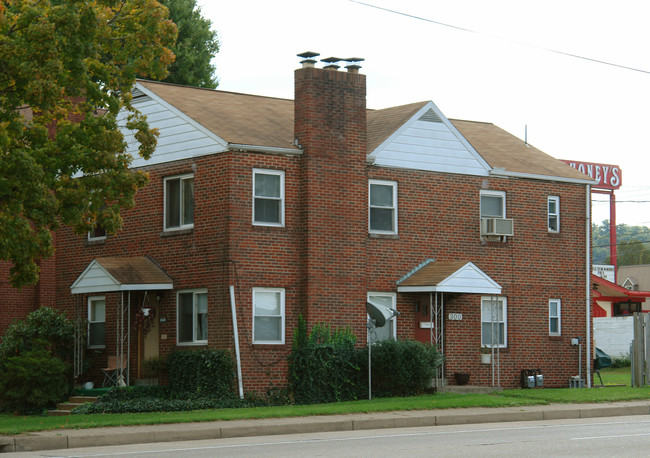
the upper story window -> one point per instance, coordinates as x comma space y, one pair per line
98, 233
179, 202
268, 315
192, 315
96, 322
493, 204
389, 330
554, 317
268, 197
553, 214
494, 321
382, 212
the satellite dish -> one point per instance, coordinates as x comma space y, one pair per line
380, 313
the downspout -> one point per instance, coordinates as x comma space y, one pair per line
588, 284
236, 337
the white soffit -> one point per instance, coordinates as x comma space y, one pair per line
429, 141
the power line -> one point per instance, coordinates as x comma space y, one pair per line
462, 29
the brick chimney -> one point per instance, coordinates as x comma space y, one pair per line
331, 127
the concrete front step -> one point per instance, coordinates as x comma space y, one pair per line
64, 408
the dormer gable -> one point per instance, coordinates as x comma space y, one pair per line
427, 141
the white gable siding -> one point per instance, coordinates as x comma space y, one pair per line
429, 141
469, 279
179, 137
94, 279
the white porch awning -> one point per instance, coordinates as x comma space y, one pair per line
121, 274
448, 277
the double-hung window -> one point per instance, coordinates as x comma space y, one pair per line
494, 322
268, 197
96, 322
554, 317
268, 315
389, 330
192, 317
553, 214
493, 204
382, 211
179, 202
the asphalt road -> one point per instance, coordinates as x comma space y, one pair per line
609, 436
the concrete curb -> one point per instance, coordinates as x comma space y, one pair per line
64, 439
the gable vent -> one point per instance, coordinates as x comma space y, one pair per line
430, 116
137, 93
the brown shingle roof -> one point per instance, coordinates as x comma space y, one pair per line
139, 270
267, 121
432, 273
502, 149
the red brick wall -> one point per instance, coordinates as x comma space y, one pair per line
15, 304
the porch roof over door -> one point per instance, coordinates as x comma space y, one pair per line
121, 274
448, 277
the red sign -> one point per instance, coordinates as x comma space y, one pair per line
608, 176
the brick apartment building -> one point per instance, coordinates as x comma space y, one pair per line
277, 208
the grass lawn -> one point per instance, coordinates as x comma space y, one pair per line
12, 424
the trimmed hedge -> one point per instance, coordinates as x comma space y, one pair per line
401, 367
201, 373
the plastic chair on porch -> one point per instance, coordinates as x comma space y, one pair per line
112, 371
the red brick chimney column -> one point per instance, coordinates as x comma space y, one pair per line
330, 126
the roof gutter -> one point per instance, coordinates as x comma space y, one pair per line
264, 149
500, 172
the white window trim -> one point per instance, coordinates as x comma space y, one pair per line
549, 214
282, 316
194, 341
501, 194
558, 317
279, 173
90, 301
394, 207
393, 297
505, 319
95, 239
182, 226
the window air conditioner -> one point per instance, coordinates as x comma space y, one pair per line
497, 226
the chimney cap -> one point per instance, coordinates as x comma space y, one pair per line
332, 60
308, 54
354, 59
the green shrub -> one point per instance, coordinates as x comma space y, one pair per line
36, 361
153, 367
201, 373
621, 361
400, 367
322, 367
32, 381
44, 324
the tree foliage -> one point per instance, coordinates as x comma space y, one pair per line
195, 47
633, 244
66, 70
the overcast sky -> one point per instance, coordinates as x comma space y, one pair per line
511, 68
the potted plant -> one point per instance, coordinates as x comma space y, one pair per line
486, 354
